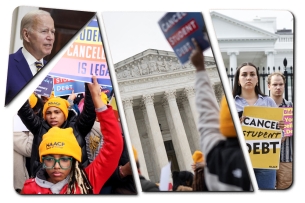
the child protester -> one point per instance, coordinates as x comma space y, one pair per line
61, 155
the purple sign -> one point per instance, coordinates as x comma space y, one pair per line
45, 88
179, 28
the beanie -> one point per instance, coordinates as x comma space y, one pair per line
33, 100
51, 95
198, 157
58, 102
60, 141
227, 127
135, 153
104, 98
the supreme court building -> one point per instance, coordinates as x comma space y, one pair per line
158, 98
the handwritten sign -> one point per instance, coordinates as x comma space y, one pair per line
288, 121
84, 58
45, 88
179, 28
263, 135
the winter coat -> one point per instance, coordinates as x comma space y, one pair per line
98, 171
81, 125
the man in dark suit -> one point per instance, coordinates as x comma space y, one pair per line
37, 32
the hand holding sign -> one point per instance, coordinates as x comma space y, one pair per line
179, 28
196, 57
95, 91
94, 87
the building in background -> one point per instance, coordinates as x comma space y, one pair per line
158, 98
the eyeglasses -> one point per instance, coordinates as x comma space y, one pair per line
64, 162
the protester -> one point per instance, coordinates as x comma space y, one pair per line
37, 33
276, 82
56, 113
147, 185
62, 172
225, 169
182, 180
198, 168
23, 141
247, 92
22, 149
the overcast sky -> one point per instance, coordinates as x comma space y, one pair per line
130, 33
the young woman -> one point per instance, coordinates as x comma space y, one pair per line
56, 113
247, 92
61, 155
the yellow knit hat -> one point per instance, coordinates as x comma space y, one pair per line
227, 127
51, 95
60, 141
104, 98
198, 157
33, 100
58, 102
135, 153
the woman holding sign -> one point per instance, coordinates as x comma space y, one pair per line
247, 92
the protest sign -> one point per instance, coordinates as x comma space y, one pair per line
107, 90
165, 177
179, 28
84, 58
63, 86
288, 121
263, 136
45, 88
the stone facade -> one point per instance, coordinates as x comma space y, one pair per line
158, 98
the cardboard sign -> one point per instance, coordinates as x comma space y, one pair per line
288, 121
84, 58
179, 28
263, 136
63, 86
45, 88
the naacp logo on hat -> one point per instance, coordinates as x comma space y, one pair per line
51, 145
53, 103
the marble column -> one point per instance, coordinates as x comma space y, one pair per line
189, 93
233, 59
134, 134
154, 134
181, 145
191, 122
270, 60
233, 63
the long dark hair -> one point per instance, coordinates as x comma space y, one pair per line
199, 181
237, 88
184, 178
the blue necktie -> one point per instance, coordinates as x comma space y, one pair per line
38, 65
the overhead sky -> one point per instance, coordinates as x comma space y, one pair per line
130, 33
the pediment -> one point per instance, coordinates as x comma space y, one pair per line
227, 28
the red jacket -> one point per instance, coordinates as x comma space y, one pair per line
99, 171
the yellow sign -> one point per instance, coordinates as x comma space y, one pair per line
263, 136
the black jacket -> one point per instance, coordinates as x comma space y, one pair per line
81, 125
120, 185
226, 162
148, 186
